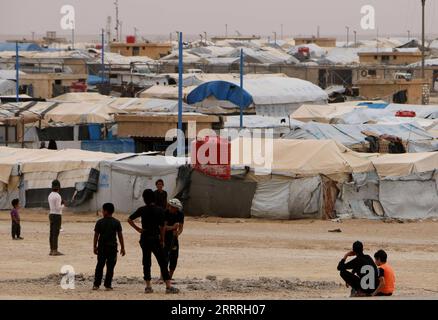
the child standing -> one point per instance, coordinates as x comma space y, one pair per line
15, 217
105, 246
160, 195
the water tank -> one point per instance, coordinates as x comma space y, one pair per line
130, 39
212, 156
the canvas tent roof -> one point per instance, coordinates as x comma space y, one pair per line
71, 113
321, 113
399, 165
150, 105
44, 160
80, 97
298, 157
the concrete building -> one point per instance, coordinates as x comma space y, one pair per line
322, 42
149, 130
49, 85
389, 58
398, 91
151, 50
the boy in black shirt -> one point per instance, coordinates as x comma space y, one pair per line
105, 246
363, 278
152, 239
174, 225
160, 195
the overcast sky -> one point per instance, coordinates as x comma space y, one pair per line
21, 17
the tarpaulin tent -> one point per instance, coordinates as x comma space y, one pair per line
270, 96
122, 181
34, 169
352, 136
403, 186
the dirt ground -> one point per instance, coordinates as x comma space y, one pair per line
220, 258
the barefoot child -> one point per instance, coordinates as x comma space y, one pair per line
105, 246
15, 217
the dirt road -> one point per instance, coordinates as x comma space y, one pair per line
220, 258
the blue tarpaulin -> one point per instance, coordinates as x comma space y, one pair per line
10, 46
93, 80
374, 105
109, 146
221, 90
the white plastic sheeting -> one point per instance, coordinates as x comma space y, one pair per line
344, 56
7, 87
288, 199
122, 182
276, 96
414, 199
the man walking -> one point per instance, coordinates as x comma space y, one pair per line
55, 217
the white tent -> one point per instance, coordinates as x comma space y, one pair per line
122, 181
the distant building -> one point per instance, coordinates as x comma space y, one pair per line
49, 85
52, 38
151, 50
149, 130
390, 57
322, 42
397, 90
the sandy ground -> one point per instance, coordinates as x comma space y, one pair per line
220, 258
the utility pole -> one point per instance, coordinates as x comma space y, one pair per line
17, 76
73, 35
348, 34
317, 31
355, 38
423, 4
116, 3
423, 49
135, 33
108, 29
275, 37
121, 34
33, 36
281, 30
226, 30
409, 35
180, 134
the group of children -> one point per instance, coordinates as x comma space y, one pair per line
161, 224
367, 277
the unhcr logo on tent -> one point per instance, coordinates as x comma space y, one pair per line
237, 149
